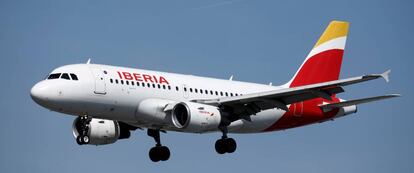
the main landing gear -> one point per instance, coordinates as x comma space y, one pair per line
159, 152
83, 137
225, 144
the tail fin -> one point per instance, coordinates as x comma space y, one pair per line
324, 61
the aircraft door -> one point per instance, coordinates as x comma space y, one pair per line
100, 86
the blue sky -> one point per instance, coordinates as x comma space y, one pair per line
257, 41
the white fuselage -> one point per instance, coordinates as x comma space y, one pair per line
119, 93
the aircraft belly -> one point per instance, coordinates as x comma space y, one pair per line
258, 123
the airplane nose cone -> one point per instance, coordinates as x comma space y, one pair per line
39, 93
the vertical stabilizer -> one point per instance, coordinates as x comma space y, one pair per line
323, 63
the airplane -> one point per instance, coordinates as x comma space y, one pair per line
110, 101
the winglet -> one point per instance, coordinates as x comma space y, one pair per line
386, 75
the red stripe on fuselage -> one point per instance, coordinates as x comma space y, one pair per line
310, 113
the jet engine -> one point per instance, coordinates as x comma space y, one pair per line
195, 117
101, 131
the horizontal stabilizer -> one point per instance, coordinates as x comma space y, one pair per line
357, 101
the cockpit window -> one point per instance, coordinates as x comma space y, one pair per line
54, 76
74, 77
65, 76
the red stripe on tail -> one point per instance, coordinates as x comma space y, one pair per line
322, 67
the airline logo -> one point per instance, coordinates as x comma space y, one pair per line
142, 77
323, 63
206, 113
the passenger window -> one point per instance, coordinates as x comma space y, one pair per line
169, 87
205, 91
227, 94
54, 76
176, 88
137, 83
201, 91
73, 76
196, 91
221, 93
159, 86
211, 92
143, 84
216, 93
65, 76
163, 86
127, 82
231, 94
153, 85
148, 85
185, 89
191, 89
122, 82
110, 80
132, 83
116, 81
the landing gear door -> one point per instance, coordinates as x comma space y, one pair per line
100, 86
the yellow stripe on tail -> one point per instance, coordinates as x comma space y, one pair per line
334, 30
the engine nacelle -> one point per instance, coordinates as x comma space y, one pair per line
195, 117
102, 131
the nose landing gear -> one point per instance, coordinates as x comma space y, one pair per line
83, 129
159, 152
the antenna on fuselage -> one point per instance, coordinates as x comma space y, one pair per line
231, 78
89, 61
270, 84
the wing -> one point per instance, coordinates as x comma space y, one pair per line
251, 104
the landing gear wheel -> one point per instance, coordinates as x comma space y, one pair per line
159, 153
231, 145
164, 153
85, 139
227, 145
220, 146
79, 140
154, 154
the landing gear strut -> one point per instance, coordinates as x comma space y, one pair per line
225, 144
83, 137
159, 152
